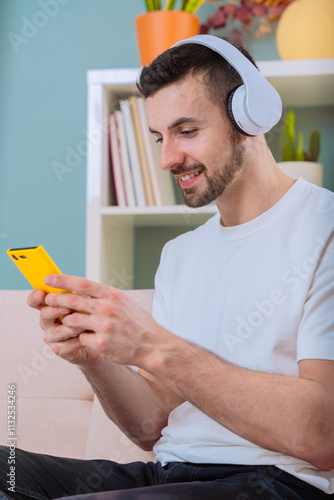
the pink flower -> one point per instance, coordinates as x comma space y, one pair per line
230, 9
242, 14
218, 20
259, 10
243, 11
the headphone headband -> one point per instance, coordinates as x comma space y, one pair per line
261, 102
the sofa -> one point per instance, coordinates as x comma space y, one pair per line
56, 411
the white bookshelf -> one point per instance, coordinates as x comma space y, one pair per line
110, 230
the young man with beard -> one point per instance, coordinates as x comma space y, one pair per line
238, 360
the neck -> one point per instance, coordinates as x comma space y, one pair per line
255, 189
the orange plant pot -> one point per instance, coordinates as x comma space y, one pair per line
158, 30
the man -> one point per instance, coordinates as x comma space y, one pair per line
237, 363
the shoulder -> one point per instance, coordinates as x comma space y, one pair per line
319, 199
323, 202
314, 208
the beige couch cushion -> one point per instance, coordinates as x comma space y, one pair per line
54, 426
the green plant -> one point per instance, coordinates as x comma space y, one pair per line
190, 6
293, 150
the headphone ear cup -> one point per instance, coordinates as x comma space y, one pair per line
254, 107
230, 112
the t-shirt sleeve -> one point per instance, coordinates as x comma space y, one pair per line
316, 331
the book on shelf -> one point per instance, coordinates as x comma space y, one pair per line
133, 153
116, 162
141, 150
125, 162
135, 157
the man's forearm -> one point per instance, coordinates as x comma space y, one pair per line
279, 413
132, 402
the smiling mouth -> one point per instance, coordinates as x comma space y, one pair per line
189, 176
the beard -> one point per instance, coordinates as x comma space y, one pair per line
217, 181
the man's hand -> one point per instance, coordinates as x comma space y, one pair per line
62, 340
109, 323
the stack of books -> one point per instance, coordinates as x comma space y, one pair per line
135, 157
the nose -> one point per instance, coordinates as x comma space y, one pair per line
171, 155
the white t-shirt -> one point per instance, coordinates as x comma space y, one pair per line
260, 295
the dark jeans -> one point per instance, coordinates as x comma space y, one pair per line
44, 477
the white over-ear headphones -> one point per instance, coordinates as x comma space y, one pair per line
254, 107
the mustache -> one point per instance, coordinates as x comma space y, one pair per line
183, 170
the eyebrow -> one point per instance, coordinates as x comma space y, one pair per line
177, 123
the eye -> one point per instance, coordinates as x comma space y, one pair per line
158, 139
188, 133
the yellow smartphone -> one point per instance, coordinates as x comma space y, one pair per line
35, 263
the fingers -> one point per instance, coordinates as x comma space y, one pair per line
53, 326
76, 284
70, 348
89, 296
49, 314
79, 322
72, 301
36, 299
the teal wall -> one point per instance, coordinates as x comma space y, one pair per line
43, 117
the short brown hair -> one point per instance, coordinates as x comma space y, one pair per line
177, 63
